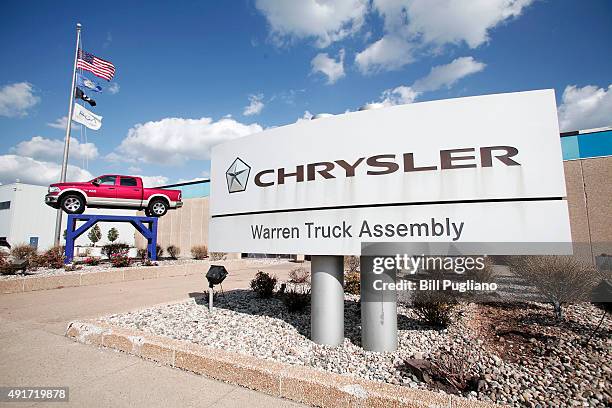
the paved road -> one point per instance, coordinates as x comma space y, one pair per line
34, 351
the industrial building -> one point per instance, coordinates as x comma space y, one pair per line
26, 219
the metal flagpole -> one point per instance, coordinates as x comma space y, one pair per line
58, 219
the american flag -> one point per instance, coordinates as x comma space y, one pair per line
97, 66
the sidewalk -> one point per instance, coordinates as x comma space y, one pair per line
35, 352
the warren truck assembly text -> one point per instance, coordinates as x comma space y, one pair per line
310, 230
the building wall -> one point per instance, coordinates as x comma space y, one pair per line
588, 181
589, 194
29, 216
185, 227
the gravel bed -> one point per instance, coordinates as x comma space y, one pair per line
106, 267
560, 371
103, 267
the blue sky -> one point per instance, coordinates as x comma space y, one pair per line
187, 71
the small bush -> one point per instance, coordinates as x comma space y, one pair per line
112, 235
561, 279
120, 258
159, 251
199, 251
148, 262
263, 284
434, 307
52, 258
217, 256
173, 251
110, 249
94, 235
92, 261
297, 299
484, 275
352, 283
351, 263
299, 275
141, 253
24, 251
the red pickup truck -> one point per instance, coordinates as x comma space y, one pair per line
112, 191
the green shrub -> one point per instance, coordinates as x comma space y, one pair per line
113, 234
297, 299
263, 284
352, 283
435, 308
299, 275
110, 249
94, 235
173, 251
199, 251
159, 251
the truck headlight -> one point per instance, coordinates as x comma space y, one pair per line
54, 189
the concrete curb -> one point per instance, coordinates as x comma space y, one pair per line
66, 280
297, 383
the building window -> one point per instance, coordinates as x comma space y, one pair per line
5, 205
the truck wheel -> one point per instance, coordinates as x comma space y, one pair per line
73, 204
158, 207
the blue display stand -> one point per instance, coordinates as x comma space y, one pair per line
147, 226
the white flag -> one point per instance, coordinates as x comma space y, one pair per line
85, 117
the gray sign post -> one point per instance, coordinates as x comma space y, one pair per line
327, 300
378, 310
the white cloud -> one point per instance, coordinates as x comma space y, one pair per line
455, 21
324, 20
173, 141
334, 70
413, 25
60, 123
153, 181
113, 88
399, 95
387, 54
440, 76
41, 148
306, 116
29, 170
255, 105
585, 108
16, 99
134, 169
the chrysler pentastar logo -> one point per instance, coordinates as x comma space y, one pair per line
237, 176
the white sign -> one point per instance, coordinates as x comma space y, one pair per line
85, 117
477, 169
